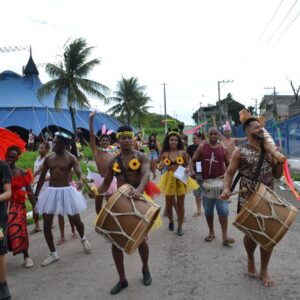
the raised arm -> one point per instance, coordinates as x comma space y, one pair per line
92, 134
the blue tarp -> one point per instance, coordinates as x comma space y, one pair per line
40, 118
20, 106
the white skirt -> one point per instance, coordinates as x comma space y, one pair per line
61, 201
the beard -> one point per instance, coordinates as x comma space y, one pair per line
258, 137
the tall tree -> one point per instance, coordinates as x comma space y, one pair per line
68, 80
131, 99
233, 107
142, 109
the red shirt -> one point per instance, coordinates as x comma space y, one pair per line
212, 161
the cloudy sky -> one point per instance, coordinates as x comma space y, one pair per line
190, 45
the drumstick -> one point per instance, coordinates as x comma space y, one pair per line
238, 192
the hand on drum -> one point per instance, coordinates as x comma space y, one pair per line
135, 194
226, 194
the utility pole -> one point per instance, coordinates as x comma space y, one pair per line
219, 98
274, 112
165, 107
256, 108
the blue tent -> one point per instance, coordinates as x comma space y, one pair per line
20, 109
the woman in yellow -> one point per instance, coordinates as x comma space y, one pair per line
174, 189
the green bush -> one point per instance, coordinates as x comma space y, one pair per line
27, 160
88, 153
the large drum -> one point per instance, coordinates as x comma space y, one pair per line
125, 221
266, 217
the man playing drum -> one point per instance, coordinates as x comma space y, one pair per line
131, 167
213, 159
246, 159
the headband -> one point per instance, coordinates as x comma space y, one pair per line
129, 133
172, 132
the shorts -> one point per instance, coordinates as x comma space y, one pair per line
198, 193
153, 155
3, 225
210, 204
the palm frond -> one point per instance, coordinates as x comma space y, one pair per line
84, 69
55, 71
58, 99
47, 89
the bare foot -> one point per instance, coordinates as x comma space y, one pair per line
75, 236
60, 241
197, 214
251, 268
266, 279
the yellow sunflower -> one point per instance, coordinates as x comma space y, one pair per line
116, 168
179, 160
167, 162
134, 164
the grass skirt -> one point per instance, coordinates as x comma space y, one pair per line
171, 186
61, 201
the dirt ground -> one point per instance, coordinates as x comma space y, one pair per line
182, 267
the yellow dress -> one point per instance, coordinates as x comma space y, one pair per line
171, 186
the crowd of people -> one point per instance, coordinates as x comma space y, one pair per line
212, 158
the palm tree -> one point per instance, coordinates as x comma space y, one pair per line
131, 99
68, 80
142, 109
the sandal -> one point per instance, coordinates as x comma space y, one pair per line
35, 230
209, 238
228, 241
60, 242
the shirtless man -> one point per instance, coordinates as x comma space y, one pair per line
60, 198
102, 157
228, 142
138, 179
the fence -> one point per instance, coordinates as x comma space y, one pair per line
286, 134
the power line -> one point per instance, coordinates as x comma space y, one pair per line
286, 29
282, 21
270, 21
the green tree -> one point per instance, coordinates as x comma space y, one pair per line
233, 107
68, 80
131, 100
142, 108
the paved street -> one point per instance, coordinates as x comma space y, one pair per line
182, 267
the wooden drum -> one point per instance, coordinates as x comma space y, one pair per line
125, 221
266, 217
